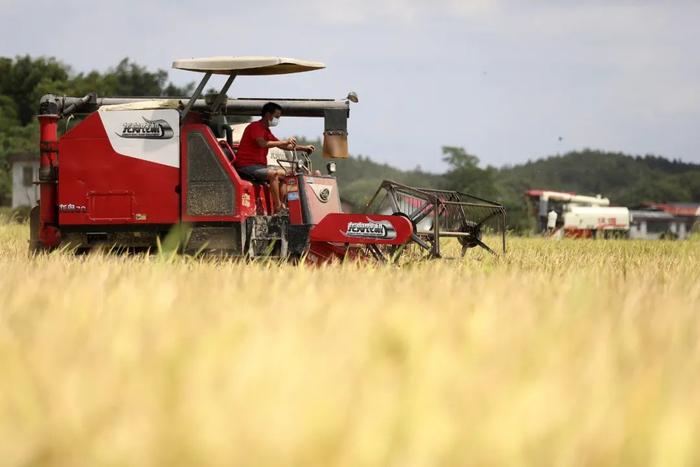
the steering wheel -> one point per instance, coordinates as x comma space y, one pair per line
295, 163
288, 169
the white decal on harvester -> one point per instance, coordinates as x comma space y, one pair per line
371, 229
150, 135
148, 129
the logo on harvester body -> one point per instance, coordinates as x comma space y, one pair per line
149, 129
322, 192
371, 229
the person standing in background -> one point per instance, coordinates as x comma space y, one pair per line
551, 222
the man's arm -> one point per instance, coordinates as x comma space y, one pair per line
285, 144
288, 144
310, 148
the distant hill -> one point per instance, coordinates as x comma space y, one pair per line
625, 179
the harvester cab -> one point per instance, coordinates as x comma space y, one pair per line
134, 168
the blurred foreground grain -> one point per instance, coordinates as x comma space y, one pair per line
561, 353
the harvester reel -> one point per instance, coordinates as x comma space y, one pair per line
473, 239
437, 214
392, 253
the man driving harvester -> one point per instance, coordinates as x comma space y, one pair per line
251, 158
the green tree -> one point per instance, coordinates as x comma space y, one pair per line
22, 79
465, 174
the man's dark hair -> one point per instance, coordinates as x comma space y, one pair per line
270, 107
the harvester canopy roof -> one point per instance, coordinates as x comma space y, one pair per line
247, 65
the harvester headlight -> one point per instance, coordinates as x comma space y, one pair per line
331, 168
352, 97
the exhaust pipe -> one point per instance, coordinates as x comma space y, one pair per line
49, 235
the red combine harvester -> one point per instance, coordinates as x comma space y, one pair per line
134, 168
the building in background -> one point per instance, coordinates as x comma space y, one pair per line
687, 213
665, 220
24, 169
653, 224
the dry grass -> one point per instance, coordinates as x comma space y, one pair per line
563, 353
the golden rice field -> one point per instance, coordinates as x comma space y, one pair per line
566, 353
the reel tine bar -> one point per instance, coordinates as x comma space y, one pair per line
441, 213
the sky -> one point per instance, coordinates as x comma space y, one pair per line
507, 80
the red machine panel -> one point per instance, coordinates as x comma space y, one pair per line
100, 184
362, 228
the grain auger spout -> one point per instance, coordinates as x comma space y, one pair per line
439, 214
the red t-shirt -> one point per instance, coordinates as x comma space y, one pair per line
249, 153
